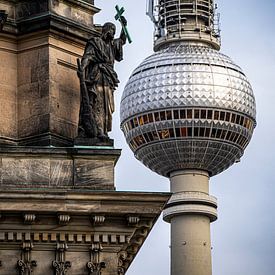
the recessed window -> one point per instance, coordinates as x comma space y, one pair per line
150, 118
233, 118
227, 117
189, 131
219, 133
177, 132
213, 132
207, 132
223, 134
140, 120
132, 124
155, 135
157, 117
238, 118
162, 115
183, 132
203, 114
228, 135
169, 115
197, 114
216, 115
222, 115
189, 113
182, 114
176, 114
242, 121
201, 132
171, 133
150, 135
209, 114
196, 132
135, 122
163, 134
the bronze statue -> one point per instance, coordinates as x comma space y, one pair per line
3, 18
98, 81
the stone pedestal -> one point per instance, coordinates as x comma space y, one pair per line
61, 168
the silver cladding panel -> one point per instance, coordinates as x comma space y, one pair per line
187, 76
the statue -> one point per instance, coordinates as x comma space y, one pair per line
98, 81
3, 18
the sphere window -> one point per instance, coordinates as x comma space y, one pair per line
242, 121
145, 118
183, 132
238, 118
222, 116
219, 133
150, 118
135, 122
196, 132
156, 115
189, 113
169, 115
207, 132
162, 115
227, 117
140, 120
189, 131
223, 134
171, 133
209, 114
197, 114
182, 114
203, 114
216, 115
132, 124
201, 132
233, 118
176, 114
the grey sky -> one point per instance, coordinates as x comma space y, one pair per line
243, 238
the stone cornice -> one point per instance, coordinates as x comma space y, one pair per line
38, 201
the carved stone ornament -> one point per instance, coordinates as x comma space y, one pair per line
60, 265
122, 256
95, 266
132, 220
98, 219
29, 218
61, 268
63, 219
26, 264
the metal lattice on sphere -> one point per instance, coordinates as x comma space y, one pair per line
188, 106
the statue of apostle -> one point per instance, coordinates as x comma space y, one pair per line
98, 81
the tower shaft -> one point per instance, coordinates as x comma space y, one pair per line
190, 212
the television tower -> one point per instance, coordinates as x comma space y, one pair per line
188, 113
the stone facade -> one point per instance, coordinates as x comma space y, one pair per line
59, 211
39, 46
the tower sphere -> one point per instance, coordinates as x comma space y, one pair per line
188, 106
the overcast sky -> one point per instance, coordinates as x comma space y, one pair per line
243, 237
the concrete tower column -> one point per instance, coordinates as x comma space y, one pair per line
190, 211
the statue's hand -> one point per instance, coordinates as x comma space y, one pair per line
80, 72
123, 20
